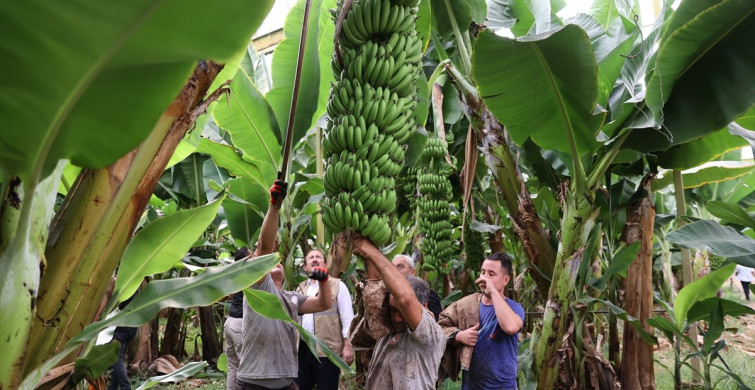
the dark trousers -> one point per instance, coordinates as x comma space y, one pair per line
746, 287
324, 373
119, 377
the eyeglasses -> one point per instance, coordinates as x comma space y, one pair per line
401, 266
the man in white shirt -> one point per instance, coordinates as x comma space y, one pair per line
332, 326
746, 275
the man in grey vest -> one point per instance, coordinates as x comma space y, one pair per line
331, 326
268, 352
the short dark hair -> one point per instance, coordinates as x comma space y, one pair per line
505, 261
421, 289
241, 253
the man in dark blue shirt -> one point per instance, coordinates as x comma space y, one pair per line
487, 325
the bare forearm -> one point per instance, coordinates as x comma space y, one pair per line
509, 321
266, 240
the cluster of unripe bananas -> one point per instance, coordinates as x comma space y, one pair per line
434, 212
473, 246
371, 110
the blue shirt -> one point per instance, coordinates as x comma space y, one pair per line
493, 365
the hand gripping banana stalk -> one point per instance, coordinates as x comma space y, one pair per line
371, 110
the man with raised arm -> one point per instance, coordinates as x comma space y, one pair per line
409, 357
482, 331
269, 347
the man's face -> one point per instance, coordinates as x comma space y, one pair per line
493, 271
277, 274
402, 265
399, 325
313, 259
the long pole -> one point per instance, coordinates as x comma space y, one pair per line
283, 172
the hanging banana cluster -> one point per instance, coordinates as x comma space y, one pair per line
371, 112
406, 182
434, 212
473, 246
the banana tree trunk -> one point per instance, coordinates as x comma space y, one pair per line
211, 348
96, 221
172, 343
526, 221
637, 358
576, 224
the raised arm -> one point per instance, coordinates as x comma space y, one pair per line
403, 294
266, 240
509, 321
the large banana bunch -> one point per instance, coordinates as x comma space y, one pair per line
434, 212
371, 112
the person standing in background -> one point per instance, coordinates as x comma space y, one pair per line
232, 328
746, 275
331, 326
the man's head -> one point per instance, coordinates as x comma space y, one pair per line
242, 253
498, 269
405, 264
421, 291
314, 258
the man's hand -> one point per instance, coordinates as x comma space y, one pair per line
278, 193
348, 353
319, 274
486, 286
469, 336
362, 246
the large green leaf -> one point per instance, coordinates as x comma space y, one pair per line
543, 87
175, 376
109, 69
227, 158
424, 22
697, 152
160, 244
320, 26
459, 9
703, 77
98, 360
699, 290
607, 12
611, 45
244, 209
250, 121
720, 240
268, 305
202, 290
703, 309
710, 174
730, 212
524, 16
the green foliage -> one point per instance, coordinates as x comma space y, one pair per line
176, 376
720, 240
160, 245
99, 359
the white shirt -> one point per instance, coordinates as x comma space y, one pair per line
744, 274
345, 311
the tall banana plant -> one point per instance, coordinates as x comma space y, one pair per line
90, 86
568, 90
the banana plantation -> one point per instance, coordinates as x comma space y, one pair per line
609, 154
